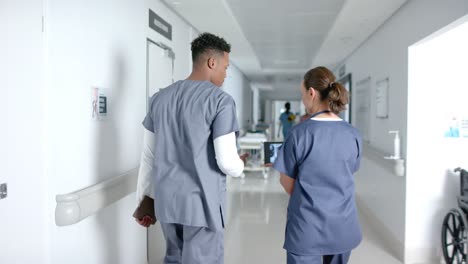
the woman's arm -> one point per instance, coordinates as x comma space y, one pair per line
287, 183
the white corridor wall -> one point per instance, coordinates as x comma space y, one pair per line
237, 85
435, 65
53, 146
94, 44
385, 55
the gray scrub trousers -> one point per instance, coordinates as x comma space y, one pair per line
188, 186
194, 245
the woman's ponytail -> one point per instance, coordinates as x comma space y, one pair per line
338, 97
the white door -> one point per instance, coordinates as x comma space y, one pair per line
159, 75
160, 67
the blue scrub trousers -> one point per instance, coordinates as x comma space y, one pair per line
329, 259
193, 245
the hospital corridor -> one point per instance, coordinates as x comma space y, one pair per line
234, 132
256, 221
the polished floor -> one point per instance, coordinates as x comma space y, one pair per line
256, 219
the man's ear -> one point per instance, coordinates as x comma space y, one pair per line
211, 62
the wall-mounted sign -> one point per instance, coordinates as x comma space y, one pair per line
99, 103
160, 25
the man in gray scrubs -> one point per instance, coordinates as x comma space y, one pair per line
191, 130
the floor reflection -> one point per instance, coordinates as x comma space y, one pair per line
256, 217
256, 220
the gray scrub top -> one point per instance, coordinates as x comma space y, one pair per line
189, 188
322, 217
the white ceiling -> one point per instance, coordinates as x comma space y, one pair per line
274, 42
285, 33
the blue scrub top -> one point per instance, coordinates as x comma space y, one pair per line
188, 186
322, 157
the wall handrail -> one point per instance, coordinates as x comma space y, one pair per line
75, 206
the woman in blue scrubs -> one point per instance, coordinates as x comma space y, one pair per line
317, 161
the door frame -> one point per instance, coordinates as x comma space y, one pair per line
170, 54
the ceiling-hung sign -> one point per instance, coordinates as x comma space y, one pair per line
160, 25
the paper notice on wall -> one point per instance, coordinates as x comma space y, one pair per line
363, 104
381, 98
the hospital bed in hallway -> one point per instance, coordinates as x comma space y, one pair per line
253, 144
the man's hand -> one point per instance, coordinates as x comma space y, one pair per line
268, 165
243, 157
145, 221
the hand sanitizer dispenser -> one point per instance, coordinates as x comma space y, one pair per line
396, 144
399, 163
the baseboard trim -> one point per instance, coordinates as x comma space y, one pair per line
423, 256
395, 247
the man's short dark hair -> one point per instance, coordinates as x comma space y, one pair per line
206, 42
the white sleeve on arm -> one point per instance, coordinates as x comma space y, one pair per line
226, 155
144, 185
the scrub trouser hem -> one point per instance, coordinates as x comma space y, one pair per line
328, 259
193, 245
